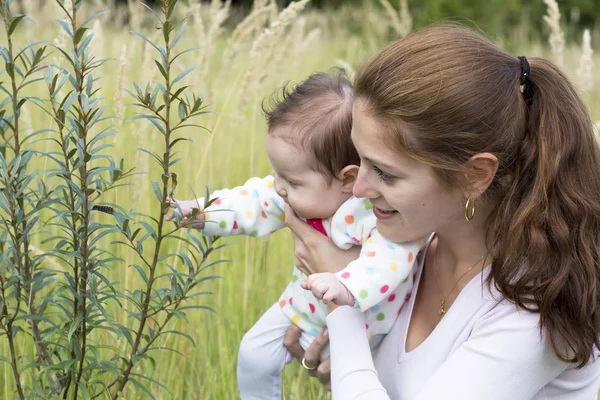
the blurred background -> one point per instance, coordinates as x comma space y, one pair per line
245, 50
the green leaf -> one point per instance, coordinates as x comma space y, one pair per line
66, 28
182, 110
142, 387
174, 142
182, 75
13, 24
185, 335
142, 273
162, 70
166, 28
10, 70
21, 102
178, 35
175, 95
79, 34
150, 379
153, 12
171, 9
160, 50
126, 332
157, 191
90, 19
74, 326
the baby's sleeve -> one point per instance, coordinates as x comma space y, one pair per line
253, 209
382, 265
352, 223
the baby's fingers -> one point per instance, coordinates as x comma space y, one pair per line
329, 296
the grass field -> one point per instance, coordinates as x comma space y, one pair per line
234, 83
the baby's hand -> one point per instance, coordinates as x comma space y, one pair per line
187, 207
328, 288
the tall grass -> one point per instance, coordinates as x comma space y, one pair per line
238, 67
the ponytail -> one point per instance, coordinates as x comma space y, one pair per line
545, 234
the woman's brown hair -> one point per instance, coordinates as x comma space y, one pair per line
446, 93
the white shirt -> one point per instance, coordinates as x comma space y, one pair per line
483, 349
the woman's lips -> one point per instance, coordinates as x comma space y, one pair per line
383, 214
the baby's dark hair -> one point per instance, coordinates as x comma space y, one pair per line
319, 113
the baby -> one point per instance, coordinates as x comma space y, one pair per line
315, 166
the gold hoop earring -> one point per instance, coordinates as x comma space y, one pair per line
470, 209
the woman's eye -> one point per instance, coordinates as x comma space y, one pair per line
383, 176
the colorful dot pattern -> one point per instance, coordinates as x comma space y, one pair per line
380, 279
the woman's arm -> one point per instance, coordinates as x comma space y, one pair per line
353, 374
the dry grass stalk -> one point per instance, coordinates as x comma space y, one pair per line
119, 107
265, 42
135, 15
391, 12
307, 45
195, 11
245, 29
557, 36
53, 263
274, 10
586, 63
406, 21
219, 12
286, 49
149, 70
97, 44
401, 20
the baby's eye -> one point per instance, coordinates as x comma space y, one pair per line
384, 177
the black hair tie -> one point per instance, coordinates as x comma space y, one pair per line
525, 81
525, 71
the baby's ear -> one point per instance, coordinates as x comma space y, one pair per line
348, 176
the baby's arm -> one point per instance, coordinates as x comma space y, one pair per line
381, 267
252, 209
370, 279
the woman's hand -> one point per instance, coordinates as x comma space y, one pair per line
315, 253
312, 355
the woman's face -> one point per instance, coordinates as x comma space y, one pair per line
408, 199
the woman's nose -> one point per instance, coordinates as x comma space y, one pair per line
364, 187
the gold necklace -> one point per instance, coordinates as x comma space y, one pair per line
442, 310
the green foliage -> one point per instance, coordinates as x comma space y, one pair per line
60, 310
498, 16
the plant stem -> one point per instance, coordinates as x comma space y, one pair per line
13, 359
160, 236
83, 278
11, 342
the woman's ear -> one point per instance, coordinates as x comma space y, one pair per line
481, 170
348, 176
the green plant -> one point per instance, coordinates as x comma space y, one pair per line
64, 295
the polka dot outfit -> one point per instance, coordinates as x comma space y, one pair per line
380, 279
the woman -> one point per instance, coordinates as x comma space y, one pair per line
496, 155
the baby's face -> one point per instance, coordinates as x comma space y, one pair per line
308, 192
